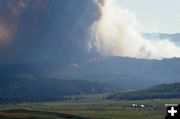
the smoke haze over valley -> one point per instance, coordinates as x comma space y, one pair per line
86, 42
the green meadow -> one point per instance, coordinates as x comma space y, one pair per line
87, 109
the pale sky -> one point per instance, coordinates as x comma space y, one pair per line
156, 15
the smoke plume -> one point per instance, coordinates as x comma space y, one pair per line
118, 33
9, 17
45, 30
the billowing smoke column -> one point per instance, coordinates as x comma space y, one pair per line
45, 30
118, 33
58, 30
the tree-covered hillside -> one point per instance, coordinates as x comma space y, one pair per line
164, 91
46, 89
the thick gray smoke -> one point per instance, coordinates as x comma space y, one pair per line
58, 30
118, 33
45, 30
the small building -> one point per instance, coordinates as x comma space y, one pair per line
134, 105
142, 106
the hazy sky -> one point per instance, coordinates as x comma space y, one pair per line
156, 15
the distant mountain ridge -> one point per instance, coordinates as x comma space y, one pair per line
121, 72
160, 36
131, 73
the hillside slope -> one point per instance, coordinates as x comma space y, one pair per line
117, 71
42, 89
164, 91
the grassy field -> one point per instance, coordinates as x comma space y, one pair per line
95, 109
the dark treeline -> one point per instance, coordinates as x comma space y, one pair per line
34, 89
165, 91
